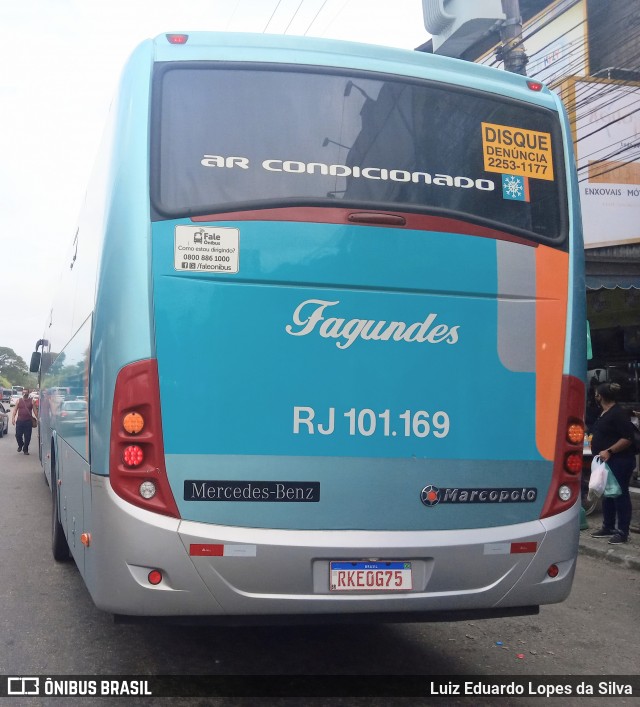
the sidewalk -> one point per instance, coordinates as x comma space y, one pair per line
628, 554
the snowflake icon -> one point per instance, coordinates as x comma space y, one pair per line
513, 187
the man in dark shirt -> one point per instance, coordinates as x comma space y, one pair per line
24, 412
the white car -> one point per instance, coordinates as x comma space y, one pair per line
14, 398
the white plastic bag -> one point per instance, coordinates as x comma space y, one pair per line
598, 478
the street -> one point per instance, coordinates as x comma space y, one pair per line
50, 626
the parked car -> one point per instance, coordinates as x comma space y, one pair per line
4, 421
73, 416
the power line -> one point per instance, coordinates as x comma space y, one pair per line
293, 17
335, 17
232, 15
272, 15
608, 102
315, 17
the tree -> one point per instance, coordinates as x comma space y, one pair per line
13, 367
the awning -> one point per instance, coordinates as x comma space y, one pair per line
610, 282
613, 267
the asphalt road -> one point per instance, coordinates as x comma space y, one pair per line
49, 626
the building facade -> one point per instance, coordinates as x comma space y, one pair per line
589, 52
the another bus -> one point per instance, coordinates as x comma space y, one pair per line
326, 305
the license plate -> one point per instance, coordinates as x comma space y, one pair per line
370, 577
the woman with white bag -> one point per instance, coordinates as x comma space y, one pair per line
612, 440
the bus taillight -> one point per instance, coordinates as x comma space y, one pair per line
573, 462
177, 38
155, 577
564, 489
137, 467
133, 455
575, 432
133, 423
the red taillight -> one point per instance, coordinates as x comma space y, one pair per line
573, 462
133, 455
535, 85
137, 452
177, 38
564, 489
155, 577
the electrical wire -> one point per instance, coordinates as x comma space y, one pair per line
293, 17
272, 15
335, 17
589, 99
315, 17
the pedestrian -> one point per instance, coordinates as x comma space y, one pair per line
592, 411
24, 412
612, 440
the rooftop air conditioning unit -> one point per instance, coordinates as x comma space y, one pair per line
456, 25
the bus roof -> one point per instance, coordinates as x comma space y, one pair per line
285, 49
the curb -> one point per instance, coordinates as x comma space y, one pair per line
613, 555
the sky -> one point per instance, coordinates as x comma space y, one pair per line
60, 61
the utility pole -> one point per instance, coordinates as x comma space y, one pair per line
511, 51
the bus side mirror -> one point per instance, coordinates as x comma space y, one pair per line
35, 362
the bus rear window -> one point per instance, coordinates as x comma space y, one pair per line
227, 138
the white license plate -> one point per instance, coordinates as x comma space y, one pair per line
370, 577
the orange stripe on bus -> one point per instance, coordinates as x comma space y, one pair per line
552, 281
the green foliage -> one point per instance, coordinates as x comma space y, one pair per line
14, 370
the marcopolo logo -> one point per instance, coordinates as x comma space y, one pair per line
432, 495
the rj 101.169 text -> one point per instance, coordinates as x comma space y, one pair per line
367, 422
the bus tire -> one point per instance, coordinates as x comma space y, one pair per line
59, 545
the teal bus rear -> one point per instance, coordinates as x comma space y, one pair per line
326, 304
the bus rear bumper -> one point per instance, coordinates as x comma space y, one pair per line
232, 572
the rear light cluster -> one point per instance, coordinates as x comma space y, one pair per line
137, 468
177, 38
567, 469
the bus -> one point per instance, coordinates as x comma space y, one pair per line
325, 302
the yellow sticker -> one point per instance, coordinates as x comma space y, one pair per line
510, 150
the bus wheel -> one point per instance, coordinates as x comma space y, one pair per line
59, 545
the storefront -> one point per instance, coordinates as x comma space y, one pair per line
613, 311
